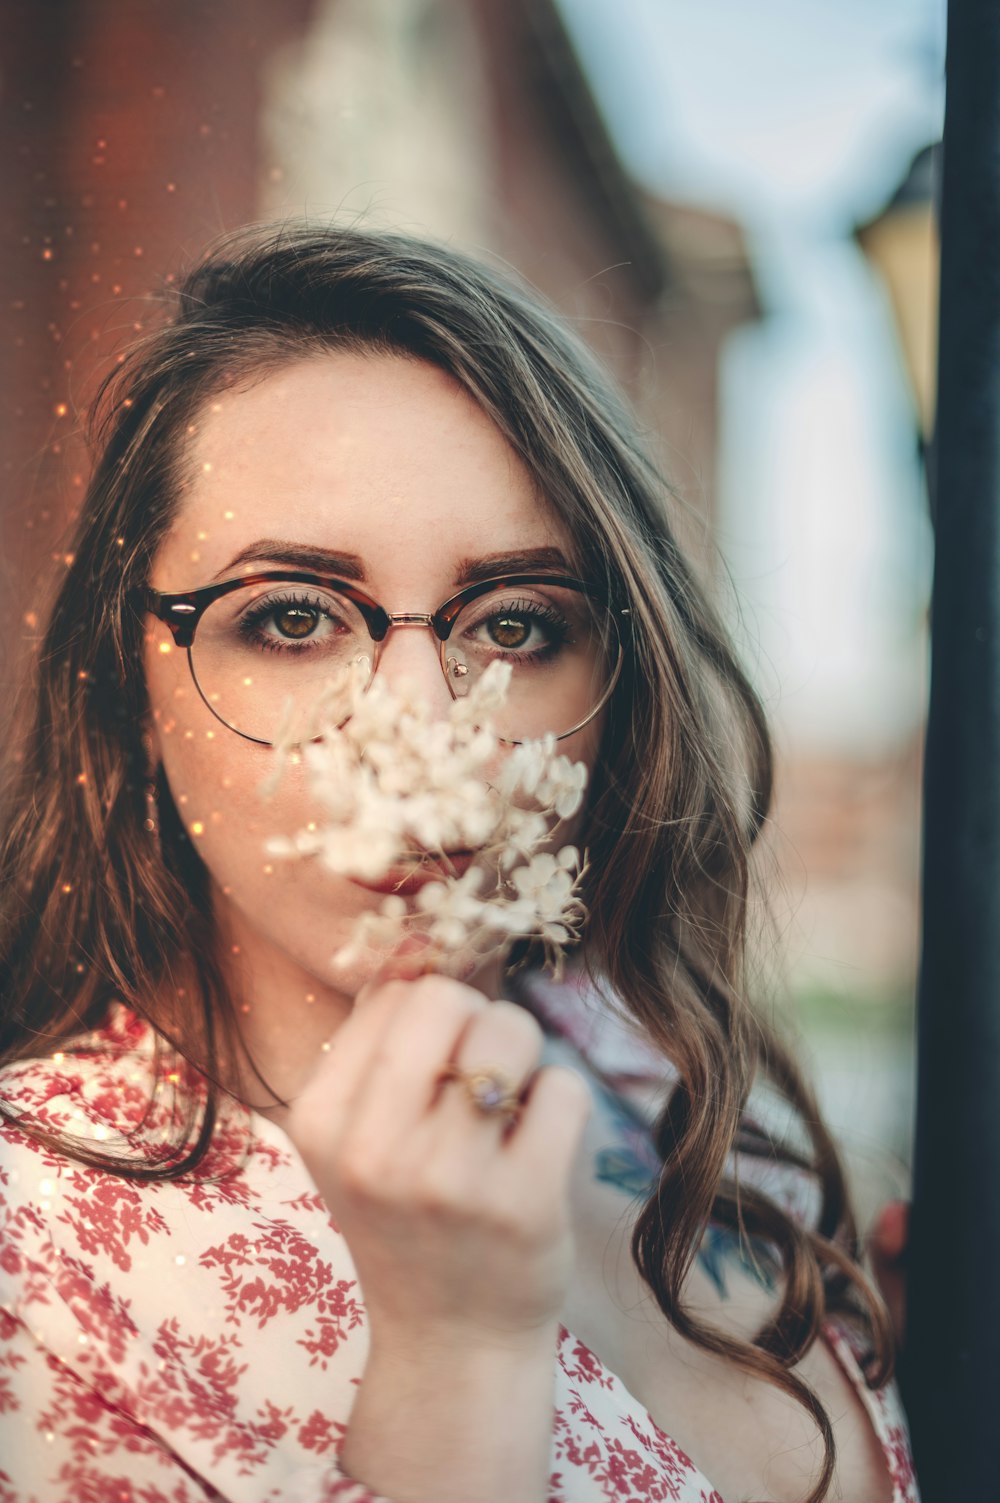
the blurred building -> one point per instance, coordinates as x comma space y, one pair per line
136, 133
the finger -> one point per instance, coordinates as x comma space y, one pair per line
543, 1145
505, 1042
398, 1023
397, 1080
345, 1056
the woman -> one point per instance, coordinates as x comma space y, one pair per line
265, 1235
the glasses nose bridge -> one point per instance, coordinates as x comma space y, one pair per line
412, 618
420, 620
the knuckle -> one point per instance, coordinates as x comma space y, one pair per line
394, 990
517, 1024
440, 999
438, 989
383, 1001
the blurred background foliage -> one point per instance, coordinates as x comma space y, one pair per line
733, 203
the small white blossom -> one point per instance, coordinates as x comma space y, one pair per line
397, 786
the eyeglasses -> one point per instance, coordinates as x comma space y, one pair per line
264, 647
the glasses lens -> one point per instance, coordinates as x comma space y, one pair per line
264, 656
563, 648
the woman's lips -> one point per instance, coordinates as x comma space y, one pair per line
408, 878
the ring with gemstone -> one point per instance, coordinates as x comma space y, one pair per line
491, 1092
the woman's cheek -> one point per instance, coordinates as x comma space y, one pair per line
217, 791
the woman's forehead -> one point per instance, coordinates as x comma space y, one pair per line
358, 453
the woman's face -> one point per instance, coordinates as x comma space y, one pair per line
389, 470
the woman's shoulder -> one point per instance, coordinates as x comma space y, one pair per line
93, 1088
195, 1309
90, 1197
112, 1103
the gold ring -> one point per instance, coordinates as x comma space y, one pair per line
491, 1092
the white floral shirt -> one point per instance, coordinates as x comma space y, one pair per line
203, 1338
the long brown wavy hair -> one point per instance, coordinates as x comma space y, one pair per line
91, 909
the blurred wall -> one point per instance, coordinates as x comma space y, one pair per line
129, 137
134, 132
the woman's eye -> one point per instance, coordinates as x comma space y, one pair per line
277, 623
527, 630
509, 631
296, 621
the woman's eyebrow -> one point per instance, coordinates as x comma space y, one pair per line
523, 561
308, 556
316, 560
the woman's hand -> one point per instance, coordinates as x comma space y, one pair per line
459, 1226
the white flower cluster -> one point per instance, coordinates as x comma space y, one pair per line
403, 791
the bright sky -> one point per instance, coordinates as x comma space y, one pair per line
803, 107
799, 118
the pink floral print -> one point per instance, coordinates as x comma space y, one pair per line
203, 1338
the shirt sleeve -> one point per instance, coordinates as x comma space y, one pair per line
62, 1440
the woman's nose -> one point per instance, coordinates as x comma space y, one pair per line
411, 660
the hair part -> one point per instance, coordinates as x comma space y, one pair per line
91, 910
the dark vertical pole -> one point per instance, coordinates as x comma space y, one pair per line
952, 1359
